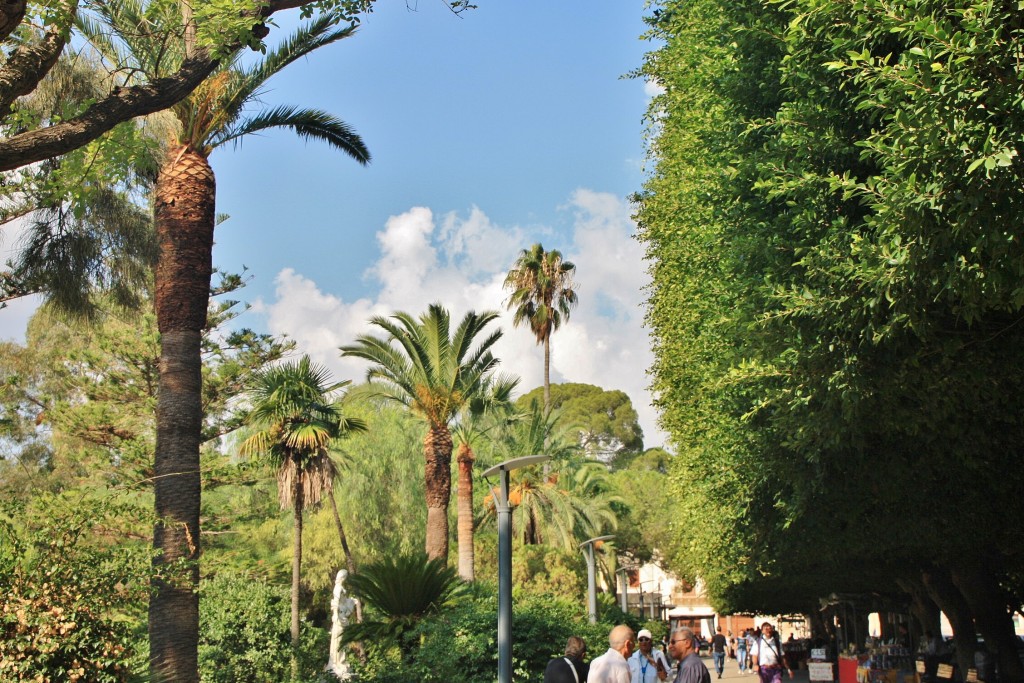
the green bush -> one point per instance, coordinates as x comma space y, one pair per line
460, 642
70, 604
244, 633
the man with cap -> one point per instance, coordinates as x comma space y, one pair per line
647, 665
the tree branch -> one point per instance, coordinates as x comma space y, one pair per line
11, 14
120, 105
28, 64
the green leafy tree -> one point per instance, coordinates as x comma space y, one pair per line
383, 480
244, 626
563, 504
646, 511
542, 294
77, 401
838, 349
69, 601
436, 372
296, 422
608, 424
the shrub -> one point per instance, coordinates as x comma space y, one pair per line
460, 642
69, 605
244, 633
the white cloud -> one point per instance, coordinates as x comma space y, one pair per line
461, 262
653, 88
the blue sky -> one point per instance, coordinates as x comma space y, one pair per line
510, 124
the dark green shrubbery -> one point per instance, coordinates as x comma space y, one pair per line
245, 634
460, 642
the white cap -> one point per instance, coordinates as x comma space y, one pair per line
644, 633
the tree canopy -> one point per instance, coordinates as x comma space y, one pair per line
833, 221
606, 421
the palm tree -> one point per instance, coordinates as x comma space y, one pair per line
400, 591
435, 372
542, 297
477, 421
214, 114
296, 421
566, 504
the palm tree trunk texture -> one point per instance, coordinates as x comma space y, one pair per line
465, 519
547, 374
437, 451
297, 504
184, 218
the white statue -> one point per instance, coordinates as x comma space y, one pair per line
342, 607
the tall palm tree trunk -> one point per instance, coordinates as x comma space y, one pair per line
465, 519
547, 374
184, 218
437, 450
297, 505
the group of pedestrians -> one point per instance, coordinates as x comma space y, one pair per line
632, 658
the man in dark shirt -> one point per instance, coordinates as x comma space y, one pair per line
571, 668
718, 650
683, 647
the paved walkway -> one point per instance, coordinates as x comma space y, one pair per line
732, 673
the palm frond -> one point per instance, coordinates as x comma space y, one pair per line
309, 37
311, 124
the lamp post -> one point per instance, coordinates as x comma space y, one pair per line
642, 607
504, 513
623, 588
591, 578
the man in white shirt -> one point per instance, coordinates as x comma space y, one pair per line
611, 667
766, 654
647, 665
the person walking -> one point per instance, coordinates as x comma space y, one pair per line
741, 652
647, 665
767, 655
719, 647
682, 645
611, 667
571, 668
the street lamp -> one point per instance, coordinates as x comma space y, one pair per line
623, 588
591, 580
504, 512
652, 594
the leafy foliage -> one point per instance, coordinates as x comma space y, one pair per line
70, 604
400, 591
460, 642
607, 422
835, 289
244, 633
563, 503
